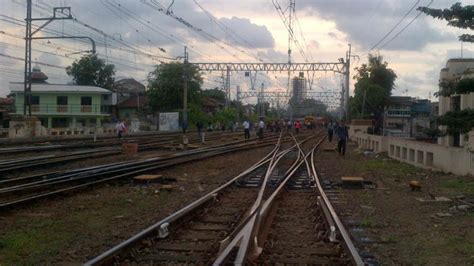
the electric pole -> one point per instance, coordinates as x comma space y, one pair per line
185, 91
347, 85
64, 13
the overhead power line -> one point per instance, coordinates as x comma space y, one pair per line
404, 28
395, 26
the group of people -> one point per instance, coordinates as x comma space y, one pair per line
342, 135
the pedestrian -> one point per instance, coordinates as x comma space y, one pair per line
330, 132
246, 126
261, 127
342, 135
120, 127
297, 126
289, 125
199, 127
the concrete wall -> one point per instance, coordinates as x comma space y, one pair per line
454, 160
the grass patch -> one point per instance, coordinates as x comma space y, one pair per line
391, 166
35, 244
460, 185
367, 222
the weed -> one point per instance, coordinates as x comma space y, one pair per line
391, 166
461, 185
367, 222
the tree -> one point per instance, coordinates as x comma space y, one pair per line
165, 86
93, 71
374, 85
457, 16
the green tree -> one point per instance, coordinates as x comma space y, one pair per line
374, 85
457, 16
93, 71
165, 86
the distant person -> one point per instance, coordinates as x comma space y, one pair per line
184, 125
261, 127
288, 124
246, 126
199, 127
342, 135
330, 132
120, 127
298, 126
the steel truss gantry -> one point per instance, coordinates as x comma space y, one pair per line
273, 67
331, 99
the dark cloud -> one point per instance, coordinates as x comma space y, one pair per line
367, 21
255, 35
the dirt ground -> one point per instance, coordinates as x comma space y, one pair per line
389, 222
78, 227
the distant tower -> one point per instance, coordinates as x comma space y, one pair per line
299, 88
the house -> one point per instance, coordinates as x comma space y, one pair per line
78, 109
456, 69
130, 98
406, 117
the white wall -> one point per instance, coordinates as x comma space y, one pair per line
454, 160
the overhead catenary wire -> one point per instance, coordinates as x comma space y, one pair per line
395, 26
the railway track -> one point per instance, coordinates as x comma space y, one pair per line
22, 190
88, 144
23, 163
271, 213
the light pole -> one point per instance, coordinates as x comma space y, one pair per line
185, 93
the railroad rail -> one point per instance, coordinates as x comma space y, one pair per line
17, 191
226, 226
141, 139
23, 163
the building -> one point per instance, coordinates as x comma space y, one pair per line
299, 88
128, 99
456, 69
72, 107
406, 117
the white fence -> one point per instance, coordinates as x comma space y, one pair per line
454, 160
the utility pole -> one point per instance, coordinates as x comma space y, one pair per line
65, 13
262, 102
290, 40
185, 91
227, 87
347, 85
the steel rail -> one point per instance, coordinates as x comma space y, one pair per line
94, 171
246, 237
134, 171
349, 245
109, 255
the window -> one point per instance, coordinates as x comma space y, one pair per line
61, 100
105, 97
86, 100
35, 100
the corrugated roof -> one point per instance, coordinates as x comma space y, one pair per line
47, 87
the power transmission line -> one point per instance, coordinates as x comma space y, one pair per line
396, 25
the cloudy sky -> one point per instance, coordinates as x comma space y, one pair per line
135, 35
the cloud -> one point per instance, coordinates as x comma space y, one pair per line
256, 36
375, 19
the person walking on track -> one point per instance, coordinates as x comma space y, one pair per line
261, 126
120, 127
330, 132
343, 136
246, 126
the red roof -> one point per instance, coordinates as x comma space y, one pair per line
133, 102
